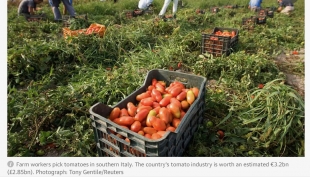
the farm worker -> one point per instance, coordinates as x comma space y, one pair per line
165, 6
254, 5
288, 4
27, 7
56, 11
145, 4
65, 10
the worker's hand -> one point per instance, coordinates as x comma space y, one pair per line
279, 9
38, 8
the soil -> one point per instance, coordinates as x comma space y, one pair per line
288, 63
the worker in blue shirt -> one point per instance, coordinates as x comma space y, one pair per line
254, 5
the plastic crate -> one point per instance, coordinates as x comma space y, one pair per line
171, 144
262, 12
270, 12
249, 23
261, 19
36, 18
214, 9
200, 11
219, 45
71, 33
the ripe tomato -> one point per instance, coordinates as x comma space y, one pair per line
147, 101
160, 87
161, 133
164, 115
175, 101
124, 112
220, 134
195, 91
149, 136
143, 107
131, 109
140, 116
142, 96
126, 120
156, 104
165, 101
155, 136
141, 132
260, 86
175, 91
184, 105
154, 81
174, 109
179, 64
157, 95
181, 96
172, 129
175, 122
115, 113
158, 124
150, 88
149, 130
136, 126
190, 97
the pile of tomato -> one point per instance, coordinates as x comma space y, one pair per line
225, 33
159, 109
93, 29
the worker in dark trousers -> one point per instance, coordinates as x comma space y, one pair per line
55, 8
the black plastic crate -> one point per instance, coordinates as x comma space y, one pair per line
270, 12
249, 23
262, 12
261, 19
171, 144
200, 11
219, 45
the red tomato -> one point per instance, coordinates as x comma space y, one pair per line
131, 109
175, 110
126, 120
160, 88
124, 112
140, 116
136, 126
195, 91
150, 88
115, 113
165, 101
164, 115
157, 95
158, 124
184, 105
156, 104
181, 96
146, 135
175, 122
155, 136
140, 107
149, 130
175, 91
260, 86
154, 81
142, 96
147, 101
179, 65
172, 129
176, 101
141, 132
156, 109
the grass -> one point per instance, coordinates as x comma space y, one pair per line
52, 83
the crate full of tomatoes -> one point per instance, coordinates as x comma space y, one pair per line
220, 42
94, 28
157, 120
249, 23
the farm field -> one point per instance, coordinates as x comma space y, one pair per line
254, 96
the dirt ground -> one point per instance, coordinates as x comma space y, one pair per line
290, 64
